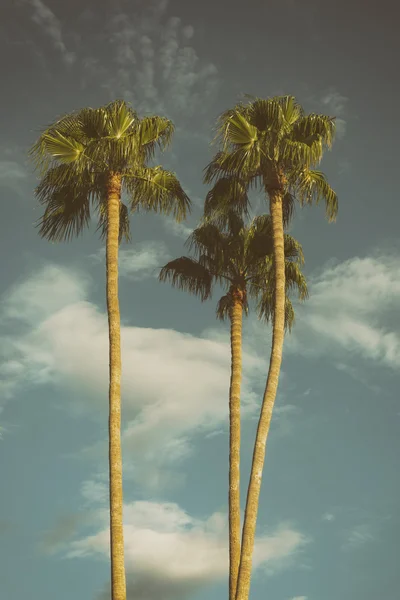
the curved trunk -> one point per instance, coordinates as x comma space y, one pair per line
236, 316
253, 492
118, 585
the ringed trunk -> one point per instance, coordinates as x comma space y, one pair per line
118, 585
236, 317
253, 492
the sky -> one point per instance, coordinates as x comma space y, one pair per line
329, 520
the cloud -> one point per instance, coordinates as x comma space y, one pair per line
169, 552
350, 310
299, 598
156, 68
358, 537
173, 384
176, 229
44, 17
10, 169
328, 517
143, 261
12, 172
335, 104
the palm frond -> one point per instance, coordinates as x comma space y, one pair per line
189, 275
293, 249
313, 126
119, 118
311, 186
209, 239
226, 196
158, 190
223, 307
155, 131
66, 215
266, 115
265, 309
288, 208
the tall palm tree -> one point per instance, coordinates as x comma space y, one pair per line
239, 258
86, 160
272, 143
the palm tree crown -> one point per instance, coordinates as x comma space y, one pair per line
76, 156
240, 258
272, 142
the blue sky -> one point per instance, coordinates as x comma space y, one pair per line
329, 520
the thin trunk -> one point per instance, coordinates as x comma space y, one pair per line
253, 492
118, 585
236, 316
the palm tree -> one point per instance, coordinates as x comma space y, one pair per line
239, 258
86, 159
273, 144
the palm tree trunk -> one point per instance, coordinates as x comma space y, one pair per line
118, 585
236, 316
253, 492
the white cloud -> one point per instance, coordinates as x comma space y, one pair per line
349, 309
10, 170
139, 262
168, 550
156, 68
299, 598
44, 17
358, 537
328, 517
177, 229
173, 384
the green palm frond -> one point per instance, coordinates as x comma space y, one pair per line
239, 163
293, 249
266, 115
295, 280
67, 196
311, 186
64, 149
259, 240
265, 309
155, 131
226, 196
291, 109
66, 215
119, 119
209, 239
310, 127
223, 307
189, 275
288, 208
158, 190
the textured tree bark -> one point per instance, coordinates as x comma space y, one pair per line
118, 584
236, 317
253, 492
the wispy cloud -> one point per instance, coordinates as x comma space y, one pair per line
44, 17
177, 229
12, 175
138, 263
358, 537
60, 329
156, 67
350, 308
328, 517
